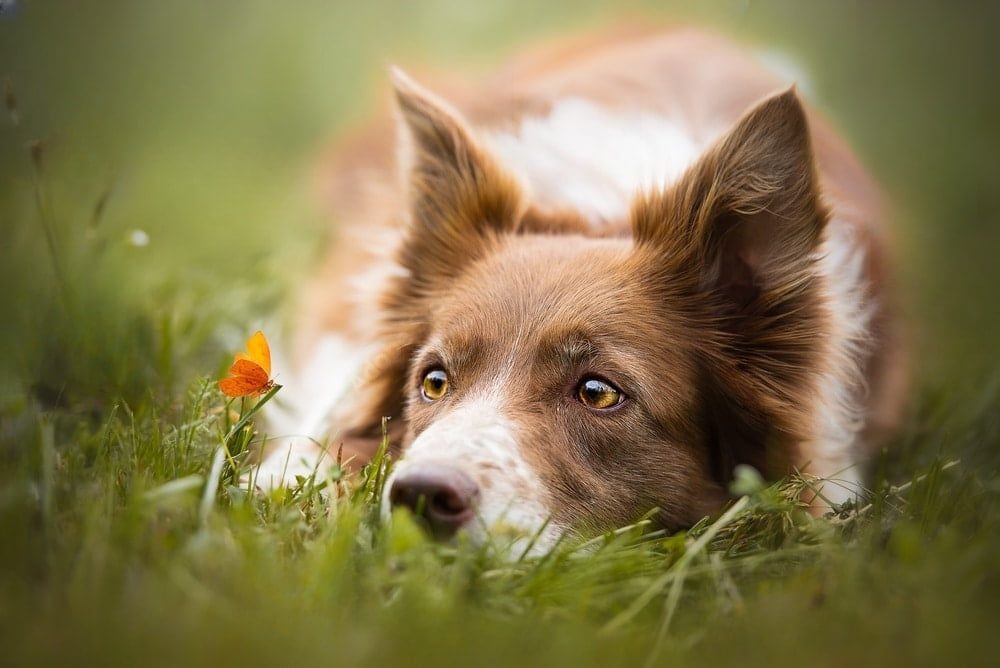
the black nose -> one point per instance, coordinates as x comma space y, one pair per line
440, 494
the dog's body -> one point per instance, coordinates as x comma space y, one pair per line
621, 268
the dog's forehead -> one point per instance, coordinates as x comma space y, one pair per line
542, 279
555, 300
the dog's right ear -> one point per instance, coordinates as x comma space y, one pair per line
460, 198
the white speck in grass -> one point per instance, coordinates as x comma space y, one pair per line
138, 238
746, 481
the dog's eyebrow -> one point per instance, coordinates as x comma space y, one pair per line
578, 350
571, 347
457, 352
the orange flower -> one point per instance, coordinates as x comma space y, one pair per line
250, 374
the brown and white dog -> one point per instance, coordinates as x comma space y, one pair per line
592, 285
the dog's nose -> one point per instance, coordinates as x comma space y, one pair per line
442, 495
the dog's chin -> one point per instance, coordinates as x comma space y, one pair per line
512, 542
509, 542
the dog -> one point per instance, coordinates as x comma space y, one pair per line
591, 286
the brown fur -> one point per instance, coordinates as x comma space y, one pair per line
704, 306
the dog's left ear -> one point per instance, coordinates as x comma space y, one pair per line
459, 196
745, 220
734, 243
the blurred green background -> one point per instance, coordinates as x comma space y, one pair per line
205, 121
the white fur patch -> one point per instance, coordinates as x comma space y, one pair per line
298, 419
479, 440
840, 415
593, 159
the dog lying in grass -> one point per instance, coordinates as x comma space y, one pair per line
592, 285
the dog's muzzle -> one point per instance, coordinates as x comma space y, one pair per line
441, 495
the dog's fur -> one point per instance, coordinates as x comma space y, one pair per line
657, 211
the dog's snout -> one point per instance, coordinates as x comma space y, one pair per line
442, 495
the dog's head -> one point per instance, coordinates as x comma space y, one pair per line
548, 377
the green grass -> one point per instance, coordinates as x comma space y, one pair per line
126, 537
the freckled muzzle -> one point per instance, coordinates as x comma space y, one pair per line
441, 495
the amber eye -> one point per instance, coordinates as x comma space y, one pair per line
435, 385
599, 394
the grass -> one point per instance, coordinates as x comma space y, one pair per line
131, 540
126, 535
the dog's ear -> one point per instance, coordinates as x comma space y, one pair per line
745, 219
460, 198
459, 202
735, 241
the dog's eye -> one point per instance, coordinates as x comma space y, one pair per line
599, 394
435, 385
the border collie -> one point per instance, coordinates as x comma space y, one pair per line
591, 285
